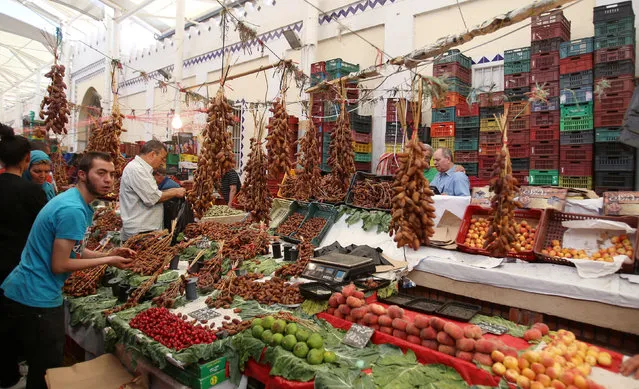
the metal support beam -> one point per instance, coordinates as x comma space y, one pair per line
179, 52
18, 27
134, 10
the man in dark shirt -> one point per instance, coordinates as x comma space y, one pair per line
164, 182
231, 185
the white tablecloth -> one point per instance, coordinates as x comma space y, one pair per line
539, 278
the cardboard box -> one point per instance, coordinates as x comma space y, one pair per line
481, 196
191, 376
541, 197
621, 203
208, 368
103, 372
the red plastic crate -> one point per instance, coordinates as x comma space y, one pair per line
327, 127
465, 110
615, 54
452, 69
522, 122
613, 101
552, 88
519, 150
451, 99
494, 99
490, 137
518, 80
518, 137
466, 156
544, 61
476, 182
544, 75
391, 110
617, 84
489, 149
545, 133
543, 119
544, 147
544, 162
517, 108
575, 168
609, 118
576, 63
530, 215
485, 174
318, 67
361, 137
552, 24
576, 153
363, 166
521, 176
486, 162
444, 129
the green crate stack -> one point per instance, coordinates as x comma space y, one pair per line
576, 116
447, 113
614, 52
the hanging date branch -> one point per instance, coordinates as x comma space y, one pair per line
413, 211
257, 200
501, 231
278, 141
308, 175
54, 108
216, 156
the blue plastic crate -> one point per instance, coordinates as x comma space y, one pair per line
443, 115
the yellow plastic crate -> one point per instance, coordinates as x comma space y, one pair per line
362, 147
575, 182
488, 124
448, 142
393, 148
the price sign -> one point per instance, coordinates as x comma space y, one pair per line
204, 314
358, 336
492, 328
203, 244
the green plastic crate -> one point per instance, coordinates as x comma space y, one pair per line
616, 27
615, 41
172, 159
543, 177
584, 109
296, 207
467, 145
337, 64
576, 47
472, 168
325, 211
576, 123
363, 157
517, 67
458, 86
454, 56
467, 122
514, 55
605, 135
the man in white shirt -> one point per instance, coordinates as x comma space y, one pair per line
140, 199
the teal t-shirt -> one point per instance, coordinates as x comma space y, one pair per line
32, 282
430, 174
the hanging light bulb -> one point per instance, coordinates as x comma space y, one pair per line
176, 123
249, 7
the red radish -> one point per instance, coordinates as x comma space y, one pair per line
445, 339
465, 344
348, 290
437, 323
447, 349
354, 302
377, 309
464, 355
400, 334
395, 312
428, 333
431, 344
340, 298
541, 327
399, 324
385, 321
332, 302
411, 329
359, 294
414, 339
330, 310
422, 321
344, 309
370, 318
386, 330
453, 330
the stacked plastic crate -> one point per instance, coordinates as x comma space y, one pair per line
517, 65
443, 130
394, 135
576, 123
548, 31
614, 70
361, 127
490, 104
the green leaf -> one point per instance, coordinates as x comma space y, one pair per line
343, 379
312, 307
404, 372
516, 330
247, 347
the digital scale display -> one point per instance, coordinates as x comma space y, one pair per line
337, 268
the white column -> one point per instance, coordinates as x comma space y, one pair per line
309, 36
106, 96
2, 109
398, 39
150, 103
179, 55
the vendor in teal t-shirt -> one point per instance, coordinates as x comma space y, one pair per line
31, 310
431, 172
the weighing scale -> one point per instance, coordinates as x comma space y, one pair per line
337, 268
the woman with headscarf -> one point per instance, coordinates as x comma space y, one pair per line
38, 171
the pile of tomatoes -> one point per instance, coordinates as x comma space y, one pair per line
170, 330
476, 235
621, 245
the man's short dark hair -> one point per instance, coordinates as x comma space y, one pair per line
86, 162
152, 145
159, 171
